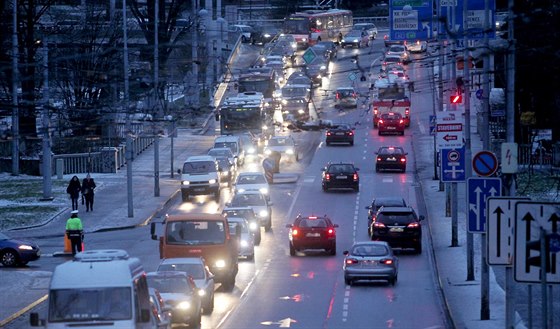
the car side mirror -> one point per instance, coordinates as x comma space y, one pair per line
179, 171
368, 207
345, 252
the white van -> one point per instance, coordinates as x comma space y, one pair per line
199, 176
83, 293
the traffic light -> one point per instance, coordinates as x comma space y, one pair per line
536, 260
456, 99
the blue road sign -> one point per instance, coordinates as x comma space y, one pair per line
485, 163
453, 165
478, 190
475, 18
410, 19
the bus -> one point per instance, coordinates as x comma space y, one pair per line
310, 26
258, 79
247, 111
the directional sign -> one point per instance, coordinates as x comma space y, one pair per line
485, 163
475, 18
410, 19
530, 218
500, 216
449, 130
478, 189
453, 165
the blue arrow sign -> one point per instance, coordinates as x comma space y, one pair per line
453, 165
410, 19
479, 189
475, 18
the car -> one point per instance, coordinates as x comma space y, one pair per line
244, 30
329, 47
263, 35
249, 215
227, 170
295, 109
388, 42
341, 133
222, 152
252, 181
340, 175
197, 269
179, 292
322, 52
391, 60
359, 39
160, 312
258, 202
398, 226
312, 232
401, 51
370, 260
287, 39
390, 158
250, 144
370, 29
346, 97
299, 78
317, 69
390, 123
14, 252
246, 246
389, 201
235, 144
284, 145
419, 46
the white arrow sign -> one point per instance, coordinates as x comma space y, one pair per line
284, 323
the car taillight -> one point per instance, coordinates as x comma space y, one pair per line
378, 224
386, 261
380, 122
295, 232
351, 261
330, 231
385, 37
328, 133
350, 133
406, 111
337, 96
413, 225
401, 121
375, 110
379, 159
355, 177
403, 159
328, 176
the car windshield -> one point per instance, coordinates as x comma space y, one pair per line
370, 250
245, 213
396, 218
392, 59
396, 49
226, 152
391, 116
200, 232
343, 127
233, 227
341, 169
68, 305
199, 167
279, 142
247, 200
345, 93
312, 222
231, 145
196, 271
354, 34
251, 179
176, 284
391, 150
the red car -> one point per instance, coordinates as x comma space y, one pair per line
391, 123
312, 232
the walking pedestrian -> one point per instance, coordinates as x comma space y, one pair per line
88, 187
75, 232
74, 188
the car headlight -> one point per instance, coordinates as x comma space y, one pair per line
289, 151
284, 102
267, 35
212, 181
240, 190
263, 213
225, 173
243, 243
265, 127
300, 111
251, 150
267, 152
323, 67
186, 182
263, 190
25, 247
201, 292
253, 226
184, 305
355, 40
220, 263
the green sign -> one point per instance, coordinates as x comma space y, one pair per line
309, 56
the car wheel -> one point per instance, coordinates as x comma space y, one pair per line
332, 251
357, 188
325, 189
229, 283
9, 258
297, 157
268, 226
217, 195
328, 144
195, 322
377, 169
379, 133
209, 307
251, 257
392, 281
347, 281
352, 143
292, 250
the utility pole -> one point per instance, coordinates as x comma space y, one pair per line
47, 163
126, 112
156, 99
15, 109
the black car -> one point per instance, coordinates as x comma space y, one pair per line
377, 203
341, 133
330, 48
340, 175
15, 252
398, 226
249, 215
390, 158
312, 232
263, 35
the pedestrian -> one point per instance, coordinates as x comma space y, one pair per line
75, 232
74, 188
88, 187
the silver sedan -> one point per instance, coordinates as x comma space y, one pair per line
370, 260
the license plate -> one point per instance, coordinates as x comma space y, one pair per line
396, 229
198, 189
341, 177
391, 159
391, 128
339, 134
313, 235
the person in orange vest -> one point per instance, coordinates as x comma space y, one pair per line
75, 232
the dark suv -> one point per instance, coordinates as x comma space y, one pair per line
377, 203
340, 175
399, 226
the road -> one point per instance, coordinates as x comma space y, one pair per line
306, 291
